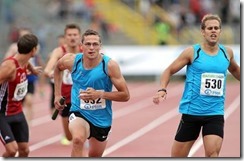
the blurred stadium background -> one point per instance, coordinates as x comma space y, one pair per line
122, 23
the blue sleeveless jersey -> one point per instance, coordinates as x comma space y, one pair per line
205, 84
98, 112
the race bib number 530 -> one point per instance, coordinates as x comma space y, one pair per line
212, 84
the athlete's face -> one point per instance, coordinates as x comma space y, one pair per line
91, 46
72, 37
212, 31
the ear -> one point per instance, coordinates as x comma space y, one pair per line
33, 51
202, 32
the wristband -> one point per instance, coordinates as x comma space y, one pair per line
163, 89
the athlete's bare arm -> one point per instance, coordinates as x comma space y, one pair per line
66, 62
183, 59
122, 94
54, 57
234, 68
8, 70
11, 50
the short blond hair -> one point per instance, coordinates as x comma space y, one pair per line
210, 17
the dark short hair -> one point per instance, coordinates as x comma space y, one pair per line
90, 32
72, 26
26, 43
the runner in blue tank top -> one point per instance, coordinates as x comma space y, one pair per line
93, 75
202, 103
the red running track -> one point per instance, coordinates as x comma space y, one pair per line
140, 128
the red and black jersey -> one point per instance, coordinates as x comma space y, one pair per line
13, 92
67, 80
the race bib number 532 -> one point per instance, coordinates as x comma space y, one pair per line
212, 84
93, 104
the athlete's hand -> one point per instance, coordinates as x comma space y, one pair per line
37, 70
57, 104
90, 94
158, 96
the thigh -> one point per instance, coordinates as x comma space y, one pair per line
78, 126
212, 145
96, 148
188, 129
213, 125
6, 135
20, 128
101, 134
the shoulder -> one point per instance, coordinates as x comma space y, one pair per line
8, 63
8, 67
188, 52
112, 63
105, 57
189, 49
229, 51
69, 56
58, 51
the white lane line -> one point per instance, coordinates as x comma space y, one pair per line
45, 142
40, 120
234, 105
160, 120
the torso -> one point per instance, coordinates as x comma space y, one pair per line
204, 92
13, 92
97, 111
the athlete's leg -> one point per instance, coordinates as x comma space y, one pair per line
23, 149
65, 123
79, 129
212, 145
213, 133
11, 149
96, 148
187, 133
28, 109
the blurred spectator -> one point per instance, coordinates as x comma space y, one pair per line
224, 11
163, 30
235, 9
53, 8
81, 9
63, 11
13, 35
8, 11
100, 25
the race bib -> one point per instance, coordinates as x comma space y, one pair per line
93, 104
67, 79
212, 84
20, 91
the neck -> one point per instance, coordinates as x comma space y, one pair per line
89, 63
72, 49
212, 49
22, 59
